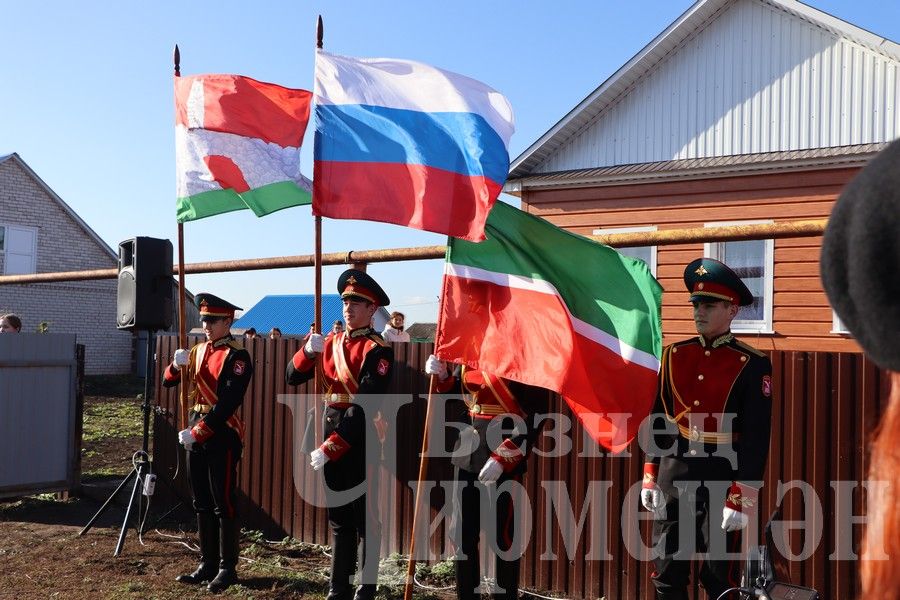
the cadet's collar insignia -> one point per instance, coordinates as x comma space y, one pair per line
701, 271
722, 340
222, 341
351, 280
361, 332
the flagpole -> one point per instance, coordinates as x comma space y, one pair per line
317, 267
423, 467
182, 326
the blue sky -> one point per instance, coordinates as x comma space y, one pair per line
87, 103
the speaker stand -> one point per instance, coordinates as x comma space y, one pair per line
140, 468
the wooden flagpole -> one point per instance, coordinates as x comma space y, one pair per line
423, 468
317, 267
182, 325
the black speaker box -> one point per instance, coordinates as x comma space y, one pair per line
144, 295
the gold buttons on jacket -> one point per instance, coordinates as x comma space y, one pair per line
476, 408
707, 353
743, 359
696, 403
692, 452
700, 377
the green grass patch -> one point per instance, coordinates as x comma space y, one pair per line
106, 420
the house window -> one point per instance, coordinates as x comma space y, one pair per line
644, 253
19, 247
837, 326
754, 263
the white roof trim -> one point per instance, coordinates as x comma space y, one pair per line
62, 203
684, 27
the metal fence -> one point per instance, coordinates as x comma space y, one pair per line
825, 408
40, 413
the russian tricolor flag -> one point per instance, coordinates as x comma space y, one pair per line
406, 143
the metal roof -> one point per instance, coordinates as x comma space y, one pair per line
719, 166
685, 27
293, 314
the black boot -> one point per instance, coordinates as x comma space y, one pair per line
343, 565
229, 538
208, 532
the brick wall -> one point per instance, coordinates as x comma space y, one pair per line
86, 308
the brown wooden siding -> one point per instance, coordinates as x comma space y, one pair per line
825, 406
802, 318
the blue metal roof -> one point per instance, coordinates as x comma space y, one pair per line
292, 313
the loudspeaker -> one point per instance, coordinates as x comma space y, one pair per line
144, 293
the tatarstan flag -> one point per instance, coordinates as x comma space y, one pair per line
543, 306
237, 146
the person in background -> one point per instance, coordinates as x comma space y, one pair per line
220, 370
393, 331
356, 367
312, 330
250, 333
337, 327
275, 333
716, 395
860, 266
10, 323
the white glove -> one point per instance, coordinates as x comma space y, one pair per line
652, 498
314, 345
490, 472
317, 458
733, 520
435, 366
181, 358
186, 438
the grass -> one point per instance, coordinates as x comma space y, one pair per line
106, 420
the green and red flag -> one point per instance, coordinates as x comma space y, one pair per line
237, 146
546, 307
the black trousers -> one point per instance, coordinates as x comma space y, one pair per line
356, 539
675, 552
212, 470
470, 498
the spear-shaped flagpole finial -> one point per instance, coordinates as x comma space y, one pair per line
176, 56
320, 32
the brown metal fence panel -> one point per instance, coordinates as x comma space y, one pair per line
825, 407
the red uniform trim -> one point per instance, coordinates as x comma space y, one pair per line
172, 373
651, 472
508, 455
201, 432
741, 497
335, 446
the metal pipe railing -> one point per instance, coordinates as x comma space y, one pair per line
668, 237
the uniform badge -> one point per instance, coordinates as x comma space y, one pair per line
383, 366
239, 367
767, 386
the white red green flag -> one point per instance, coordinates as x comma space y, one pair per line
237, 146
543, 306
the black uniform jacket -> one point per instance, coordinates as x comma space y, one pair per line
221, 372
701, 384
488, 434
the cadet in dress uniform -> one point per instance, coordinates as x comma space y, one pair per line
220, 370
703, 383
490, 400
355, 362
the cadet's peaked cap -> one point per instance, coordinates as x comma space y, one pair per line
213, 306
359, 284
860, 258
708, 279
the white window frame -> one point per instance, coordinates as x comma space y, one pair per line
763, 326
639, 229
837, 326
5, 250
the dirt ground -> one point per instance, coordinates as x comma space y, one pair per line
42, 555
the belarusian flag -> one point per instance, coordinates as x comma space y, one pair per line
237, 146
542, 306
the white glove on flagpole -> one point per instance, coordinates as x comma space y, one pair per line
181, 358
652, 498
314, 345
490, 472
186, 438
317, 458
733, 520
435, 366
